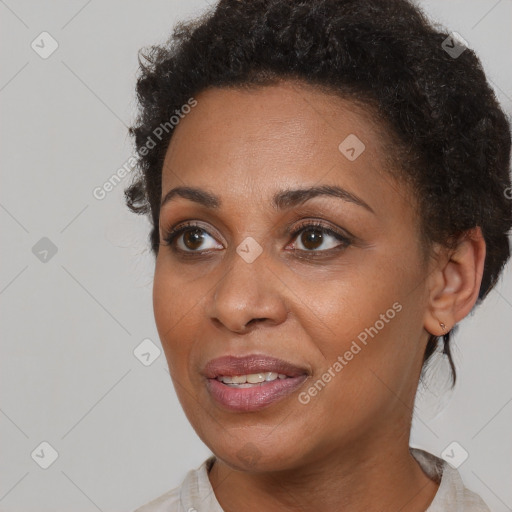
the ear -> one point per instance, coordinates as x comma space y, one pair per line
455, 282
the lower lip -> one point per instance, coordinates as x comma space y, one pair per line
256, 397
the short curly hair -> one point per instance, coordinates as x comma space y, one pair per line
453, 138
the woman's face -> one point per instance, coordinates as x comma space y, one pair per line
341, 302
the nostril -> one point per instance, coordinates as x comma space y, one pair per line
256, 320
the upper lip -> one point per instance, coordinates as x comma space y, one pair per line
229, 366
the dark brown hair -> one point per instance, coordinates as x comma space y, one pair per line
454, 137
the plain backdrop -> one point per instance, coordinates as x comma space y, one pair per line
76, 274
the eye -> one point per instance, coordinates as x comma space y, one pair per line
313, 235
190, 238
193, 236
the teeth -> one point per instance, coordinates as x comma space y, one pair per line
252, 378
255, 378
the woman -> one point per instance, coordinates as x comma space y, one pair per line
327, 186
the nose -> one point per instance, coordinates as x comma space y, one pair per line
245, 327
247, 295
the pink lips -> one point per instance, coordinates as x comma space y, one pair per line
259, 395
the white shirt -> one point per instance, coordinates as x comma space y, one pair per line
195, 494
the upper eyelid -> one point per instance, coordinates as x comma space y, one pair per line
186, 225
315, 211
182, 228
320, 224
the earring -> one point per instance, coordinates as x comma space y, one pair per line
442, 326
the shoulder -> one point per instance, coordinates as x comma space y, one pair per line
195, 491
168, 502
452, 495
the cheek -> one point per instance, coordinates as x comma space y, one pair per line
176, 321
367, 329
164, 304
350, 300
173, 310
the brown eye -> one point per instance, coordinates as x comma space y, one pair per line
190, 238
193, 238
311, 238
314, 235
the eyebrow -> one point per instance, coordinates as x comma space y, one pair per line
282, 200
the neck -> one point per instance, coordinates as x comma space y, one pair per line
366, 477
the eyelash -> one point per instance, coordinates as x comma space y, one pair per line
344, 239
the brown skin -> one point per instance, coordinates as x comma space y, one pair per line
348, 448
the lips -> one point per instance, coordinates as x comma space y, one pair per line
229, 366
245, 384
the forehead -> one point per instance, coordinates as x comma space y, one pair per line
273, 118
273, 137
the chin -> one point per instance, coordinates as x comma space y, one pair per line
257, 456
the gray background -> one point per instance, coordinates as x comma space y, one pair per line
70, 324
